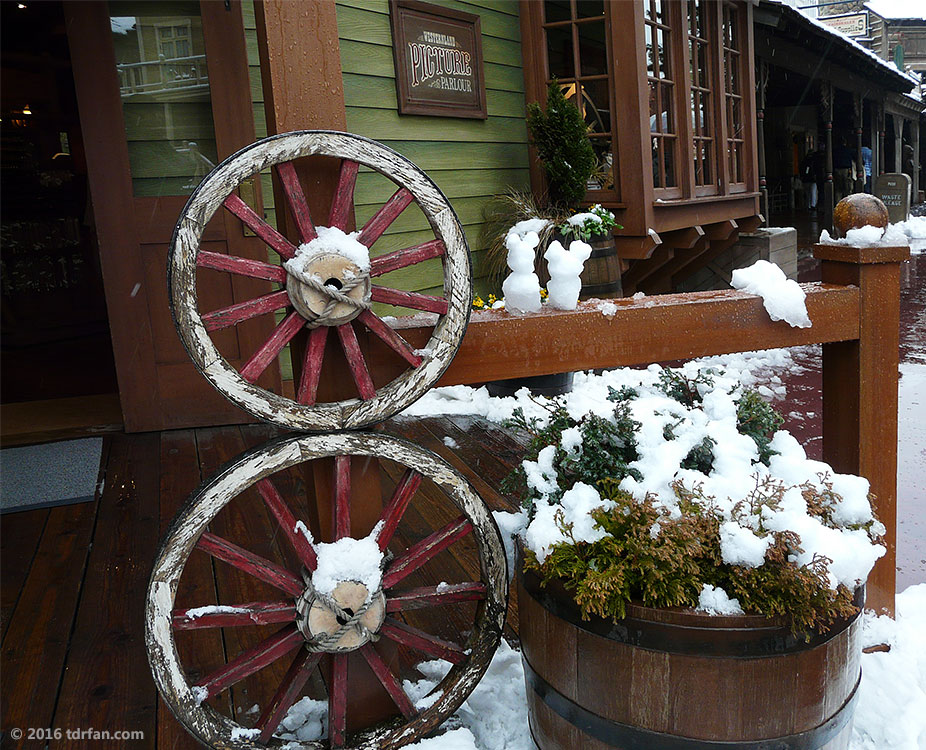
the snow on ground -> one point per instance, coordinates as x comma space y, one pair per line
891, 711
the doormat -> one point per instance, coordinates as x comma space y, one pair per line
42, 476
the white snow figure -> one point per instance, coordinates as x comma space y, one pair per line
522, 287
565, 267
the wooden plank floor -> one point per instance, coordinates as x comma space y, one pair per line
73, 579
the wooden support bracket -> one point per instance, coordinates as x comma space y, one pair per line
637, 247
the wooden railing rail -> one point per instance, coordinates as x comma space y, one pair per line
855, 314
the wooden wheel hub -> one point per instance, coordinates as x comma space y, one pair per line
318, 621
337, 273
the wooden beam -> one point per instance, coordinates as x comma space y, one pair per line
637, 247
860, 392
652, 329
712, 251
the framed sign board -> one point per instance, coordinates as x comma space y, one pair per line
438, 60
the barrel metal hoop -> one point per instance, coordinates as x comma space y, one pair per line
628, 737
736, 643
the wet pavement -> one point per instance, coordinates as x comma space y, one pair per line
803, 404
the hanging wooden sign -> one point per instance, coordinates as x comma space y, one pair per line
438, 60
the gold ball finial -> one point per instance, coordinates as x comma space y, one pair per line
859, 210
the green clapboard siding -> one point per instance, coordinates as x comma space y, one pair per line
469, 160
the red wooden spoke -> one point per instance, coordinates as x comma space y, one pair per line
389, 681
254, 659
261, 228
408, 256
252, 613
292, 684
356, 361
241, 311
421, 641
284, 333
337, 701
343, 200
435, 596
380, 222
297, 202
284, 516
341, 497
413, 300
418, 554
390, 337
312, 366
255, 269
404, 491
250, 563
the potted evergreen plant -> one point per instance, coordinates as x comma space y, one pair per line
686, 573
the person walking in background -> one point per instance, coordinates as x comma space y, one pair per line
866, 165
843, 166
812, 175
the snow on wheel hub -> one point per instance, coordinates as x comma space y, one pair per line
345, 620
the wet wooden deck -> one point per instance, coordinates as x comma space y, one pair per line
74, 578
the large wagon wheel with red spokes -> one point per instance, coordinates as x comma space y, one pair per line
324, 612
328, 282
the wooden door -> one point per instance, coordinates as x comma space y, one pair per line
163, 93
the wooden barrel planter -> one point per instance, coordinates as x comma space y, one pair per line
671, 679
601, 276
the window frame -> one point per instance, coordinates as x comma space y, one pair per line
610, 195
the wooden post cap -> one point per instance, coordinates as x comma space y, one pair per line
861, 255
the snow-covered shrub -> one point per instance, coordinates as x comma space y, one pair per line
687, 487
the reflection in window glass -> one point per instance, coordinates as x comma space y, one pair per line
559, 52
593, 49
166, 102
589, 8
556, 10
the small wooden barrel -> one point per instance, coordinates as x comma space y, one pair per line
601, 276
679, 680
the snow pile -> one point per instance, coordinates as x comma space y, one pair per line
715, 601
521, 288
349, 559
891, 712
330, 241
565, 266
545, 530
913, 228
870, 236
494, 716
525, 227
306, 721
782, 297
579, 219
736, 469
214, 609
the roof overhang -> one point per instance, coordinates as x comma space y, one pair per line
791, 24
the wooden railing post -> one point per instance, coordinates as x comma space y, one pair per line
860, 391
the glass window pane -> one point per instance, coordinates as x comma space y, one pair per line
650, 52
556, 10
589, 8
669, 157
603, 176
597, 106
166, 102
667, 122
663, 45
559, 52
593, 48
657, 176
653, 107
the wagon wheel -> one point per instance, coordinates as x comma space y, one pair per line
326, 282
313, 620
